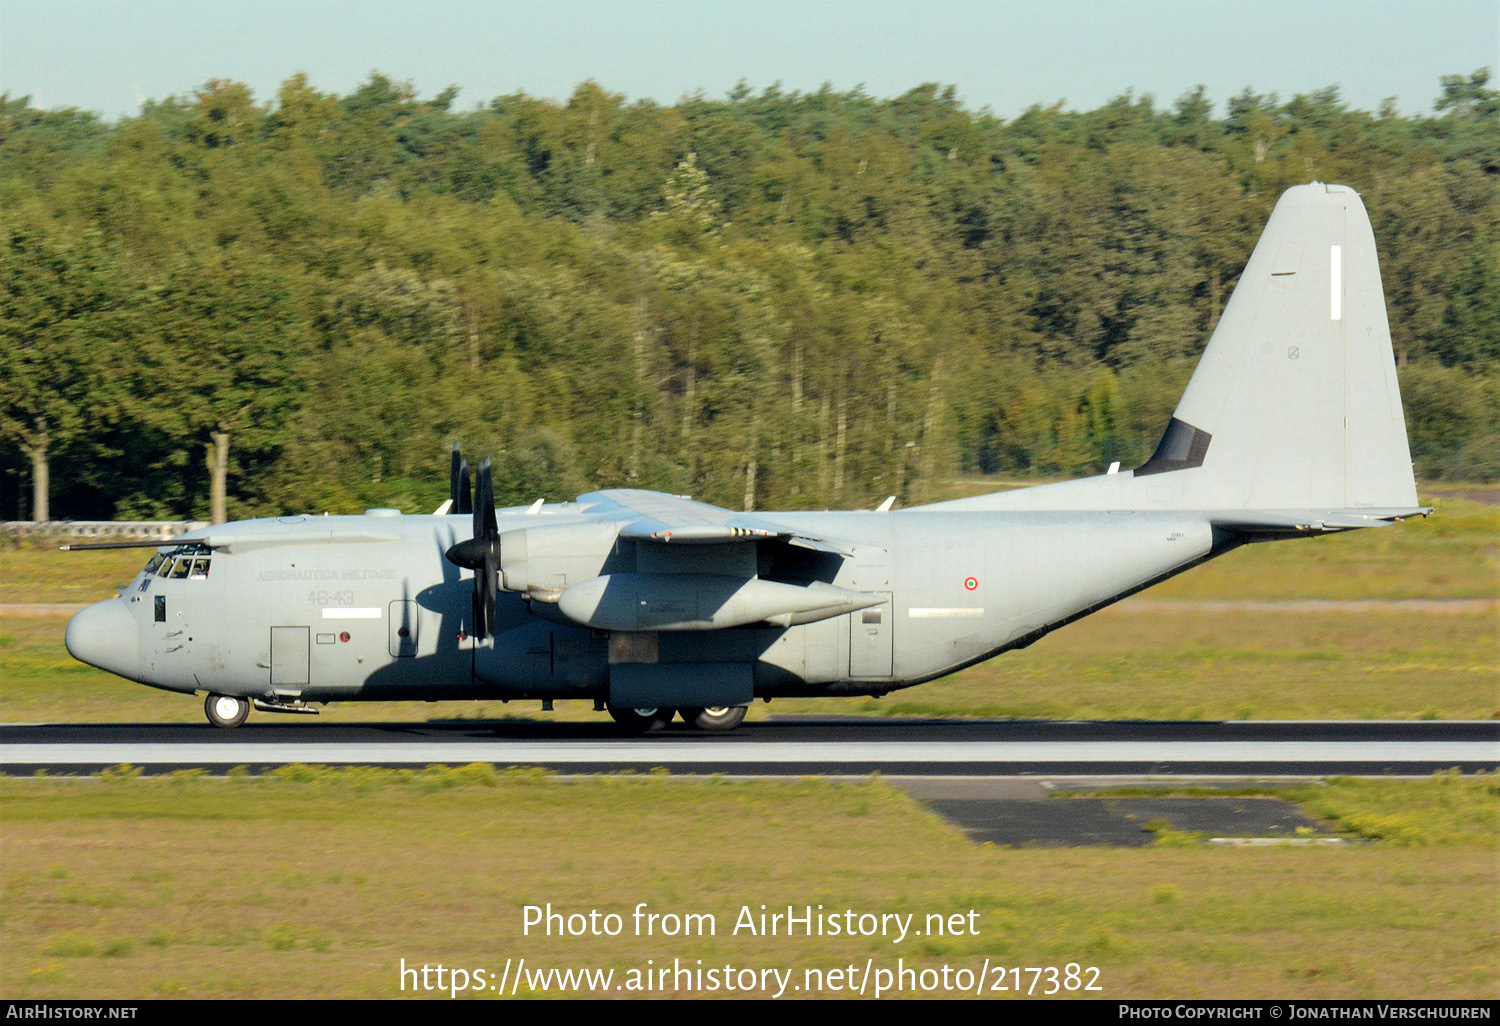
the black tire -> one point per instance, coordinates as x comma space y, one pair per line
715, 717
226, 710
641, 721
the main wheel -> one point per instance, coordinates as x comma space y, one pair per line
226, 710
715, 717
641, 721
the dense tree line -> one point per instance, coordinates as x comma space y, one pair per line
766, 300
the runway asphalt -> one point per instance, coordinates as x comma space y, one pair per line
785, 746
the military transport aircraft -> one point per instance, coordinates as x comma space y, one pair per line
654, 605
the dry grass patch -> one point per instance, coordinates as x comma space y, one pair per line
316, 883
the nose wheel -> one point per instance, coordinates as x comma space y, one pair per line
226, 710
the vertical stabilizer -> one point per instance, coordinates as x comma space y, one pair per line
1296, 392
1294, 404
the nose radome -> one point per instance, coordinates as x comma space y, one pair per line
106, 635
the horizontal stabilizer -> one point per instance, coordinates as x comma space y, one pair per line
1283, 522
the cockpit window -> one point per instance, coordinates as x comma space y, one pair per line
181, 562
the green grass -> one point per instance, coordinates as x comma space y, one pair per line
1194, 664
1449, 809
36, 573
1453, 554
313, 882
1446, 808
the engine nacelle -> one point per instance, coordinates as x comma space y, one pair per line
544, 561
702, 602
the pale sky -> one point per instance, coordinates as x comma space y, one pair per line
109, 55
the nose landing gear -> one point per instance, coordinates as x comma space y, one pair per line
226, 710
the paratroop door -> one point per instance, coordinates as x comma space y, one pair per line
870, 641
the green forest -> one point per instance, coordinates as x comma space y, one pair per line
237, 306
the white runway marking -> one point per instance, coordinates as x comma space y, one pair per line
730, 753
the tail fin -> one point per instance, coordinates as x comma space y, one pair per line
1294, 404
1297, 390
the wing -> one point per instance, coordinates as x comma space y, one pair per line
677, 520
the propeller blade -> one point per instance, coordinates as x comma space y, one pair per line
458, 483
488, 580
486, 592
481, 553
484, 504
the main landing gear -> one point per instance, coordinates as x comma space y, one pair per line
711, 718
226, 710
714, 717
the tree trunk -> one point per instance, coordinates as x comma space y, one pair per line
1215, 288
218, 473
839, 448
890, 418
638, 415
36, 444
752, 466
471, 313
823, 413
797, 378
927, 469
796, 421
40, 481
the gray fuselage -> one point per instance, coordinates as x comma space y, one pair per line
366, 608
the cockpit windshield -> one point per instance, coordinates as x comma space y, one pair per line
181, 562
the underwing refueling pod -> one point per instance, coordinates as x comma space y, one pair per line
655, 605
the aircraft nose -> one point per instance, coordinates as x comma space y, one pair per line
106, 635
